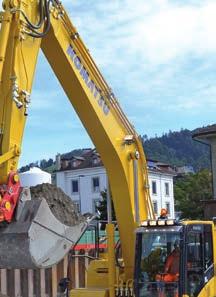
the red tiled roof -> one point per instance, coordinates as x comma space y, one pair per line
87, 157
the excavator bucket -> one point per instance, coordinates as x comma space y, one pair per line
36, 239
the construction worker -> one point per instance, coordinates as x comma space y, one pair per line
171, 270
172, 264
163, 214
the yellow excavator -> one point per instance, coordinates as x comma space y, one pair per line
30, 236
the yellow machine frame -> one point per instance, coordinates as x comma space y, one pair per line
113, 135
98, 109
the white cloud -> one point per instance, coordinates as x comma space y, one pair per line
155, 32
151, 45
146, 50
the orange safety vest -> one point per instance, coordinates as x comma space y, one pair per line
172, 263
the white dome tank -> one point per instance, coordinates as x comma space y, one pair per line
33, 177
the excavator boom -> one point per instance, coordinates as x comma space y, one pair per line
28, 26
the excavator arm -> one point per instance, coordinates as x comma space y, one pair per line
31, 237
18, 57
29, 25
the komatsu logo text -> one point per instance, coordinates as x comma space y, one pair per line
88, 81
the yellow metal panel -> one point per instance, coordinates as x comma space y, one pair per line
88, 293
17, 65
5, 20
197, 222
209, 289
97, 274
110, 230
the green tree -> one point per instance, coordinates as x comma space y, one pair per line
190, 191
102, 207
49, 162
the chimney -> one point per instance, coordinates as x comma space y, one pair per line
58, 161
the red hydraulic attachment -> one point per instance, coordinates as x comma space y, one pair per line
9, 195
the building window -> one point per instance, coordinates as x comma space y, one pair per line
155, 207
74, 163
96, 203
75, 186
95, 160
167, 190
77, 205
168, 208
95, 184
154, 187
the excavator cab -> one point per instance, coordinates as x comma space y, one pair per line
174, 259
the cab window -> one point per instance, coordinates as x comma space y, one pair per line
208, 247
199, 260
158, 264
194, 263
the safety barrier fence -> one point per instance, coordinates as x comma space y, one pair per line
44, 282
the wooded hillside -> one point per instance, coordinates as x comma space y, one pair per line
177, 148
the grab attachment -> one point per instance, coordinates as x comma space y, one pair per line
36, 239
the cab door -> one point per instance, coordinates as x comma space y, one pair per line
199, 269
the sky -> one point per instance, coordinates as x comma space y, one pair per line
158, 56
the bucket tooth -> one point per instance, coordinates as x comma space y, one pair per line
36, 239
